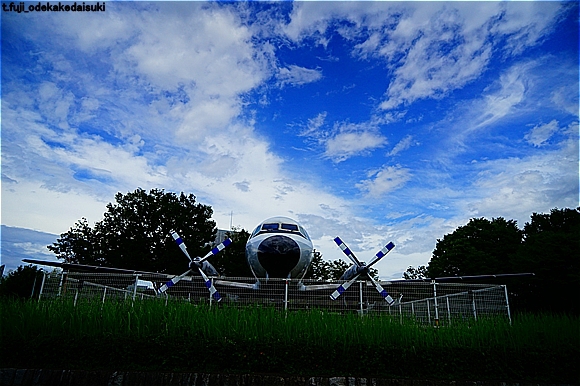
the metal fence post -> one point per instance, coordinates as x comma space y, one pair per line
436, 305
360, 291
286, 295
135, 288
63, 284
473, 304
42, 285
507, 303
211, 297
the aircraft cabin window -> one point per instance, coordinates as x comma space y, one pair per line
270, 227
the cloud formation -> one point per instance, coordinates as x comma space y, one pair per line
372, 120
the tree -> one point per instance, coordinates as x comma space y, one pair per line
135, 233
19, 283
415, 273
548, 246
480, 247
232, 260
318, 269
551, 250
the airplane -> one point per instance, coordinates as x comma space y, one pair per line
279, 247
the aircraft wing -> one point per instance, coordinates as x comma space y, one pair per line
236, 284
144, 275
460, 278
318, 287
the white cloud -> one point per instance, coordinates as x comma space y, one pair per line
296, 76
351, 143
517, 187
163, 102
36, 207
510, 92
526, 25
344, 140
566, 97
403, 145
508, 96
384, 180
541, 133
314, 125
431, 48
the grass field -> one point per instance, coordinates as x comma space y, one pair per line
150, 336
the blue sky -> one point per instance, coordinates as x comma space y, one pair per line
372, 121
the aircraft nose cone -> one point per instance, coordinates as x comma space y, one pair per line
278, 255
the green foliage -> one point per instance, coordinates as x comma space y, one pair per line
135, 233
232, 260
551, 249
19, 283
318, 269
415, 273
478, 248
548, 246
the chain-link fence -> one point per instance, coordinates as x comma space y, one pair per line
433, 303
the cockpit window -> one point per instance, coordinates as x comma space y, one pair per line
304, 233
277, 227
270, 227
290, 227
255, 232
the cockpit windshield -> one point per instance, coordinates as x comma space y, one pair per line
281, 228
270, 227
290, 227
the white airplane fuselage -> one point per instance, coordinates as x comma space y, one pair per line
279, 247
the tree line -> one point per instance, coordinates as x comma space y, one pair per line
548, 246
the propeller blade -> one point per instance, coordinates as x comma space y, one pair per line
173, 281
380, 254
209, 285
216, 250
382, 291
342, 288
346, 250
181, 244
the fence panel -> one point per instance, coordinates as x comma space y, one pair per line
431, 303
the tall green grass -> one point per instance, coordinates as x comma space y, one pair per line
149, 335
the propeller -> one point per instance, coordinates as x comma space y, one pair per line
360, 268
198, 263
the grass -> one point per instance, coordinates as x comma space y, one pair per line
151, 336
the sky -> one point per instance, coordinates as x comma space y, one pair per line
372, 121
